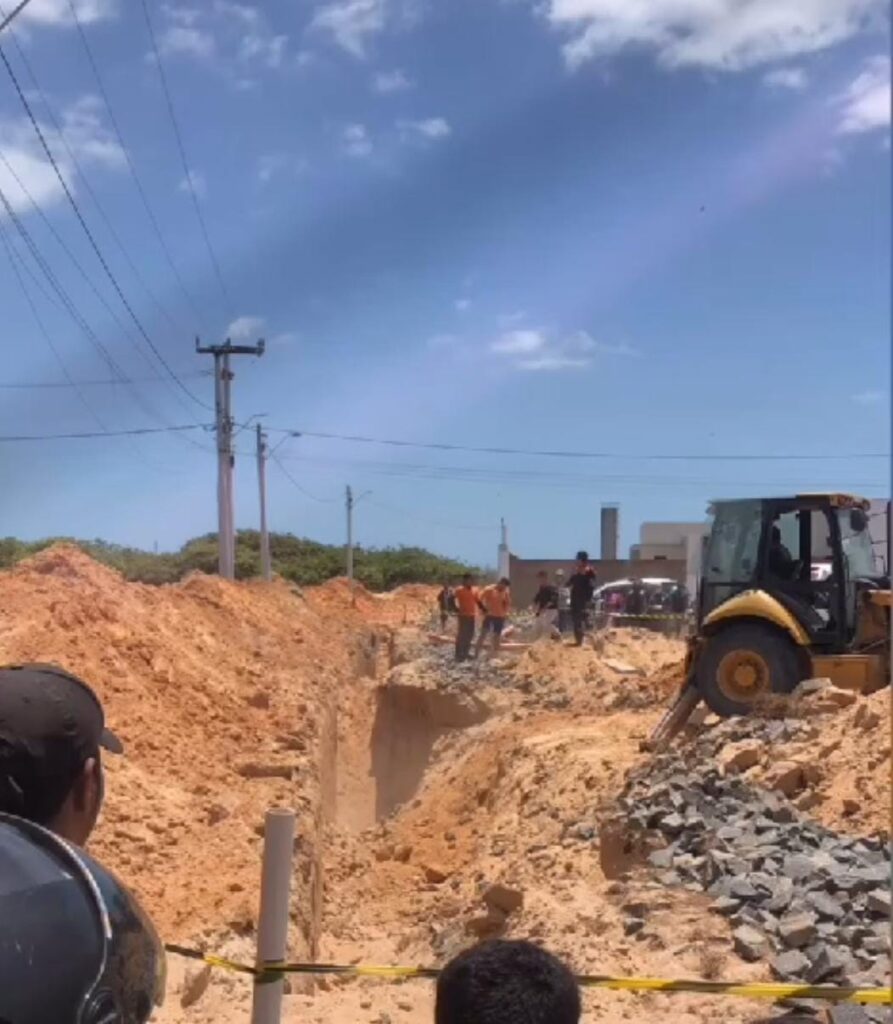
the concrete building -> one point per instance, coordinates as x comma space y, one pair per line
672, 542
610, 532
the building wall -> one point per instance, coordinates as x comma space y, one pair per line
677, 540
522, 572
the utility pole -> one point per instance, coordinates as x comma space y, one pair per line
266, 569
348, 503
223, 377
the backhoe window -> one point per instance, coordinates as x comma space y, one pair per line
734, 542
856, 544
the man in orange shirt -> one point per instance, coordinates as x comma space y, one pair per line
495, 601
466, 598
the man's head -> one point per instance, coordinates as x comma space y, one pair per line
502, 982
467, 579
582, 559
559, 575
503, 584
51, 730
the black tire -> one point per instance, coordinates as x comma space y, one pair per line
770, 649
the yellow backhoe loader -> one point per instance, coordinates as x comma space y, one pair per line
790, 590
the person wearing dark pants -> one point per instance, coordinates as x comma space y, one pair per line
582, 587
466, 598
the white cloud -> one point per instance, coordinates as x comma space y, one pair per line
355, 140
515, 343
198, 182
272, 165
58, 13
462, 305
427, 128
865, 104
724, 34
268, 49
246, 328
791, 78
871, 397
535, 349
351, 23
86, 134
187, 41
386, 82
87, 138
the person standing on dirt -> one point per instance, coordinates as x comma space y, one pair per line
506, 982
446, 604
466, 598
495, 602
52, 729
582, 587
545, 606
564, 602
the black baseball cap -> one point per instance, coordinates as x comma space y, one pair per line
51, 722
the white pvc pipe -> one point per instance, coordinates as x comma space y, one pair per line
272, 924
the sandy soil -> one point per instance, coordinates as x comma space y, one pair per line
417, 788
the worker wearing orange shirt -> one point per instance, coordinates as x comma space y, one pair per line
495, 602
466, 599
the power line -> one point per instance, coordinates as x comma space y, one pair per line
54, 121
93, 244
303, 490
89, 434
186, 169
153, 220
559, 454
74, 313
35, 385
13, 13
69, 380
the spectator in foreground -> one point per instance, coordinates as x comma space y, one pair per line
506, 982
466, 598
52, 728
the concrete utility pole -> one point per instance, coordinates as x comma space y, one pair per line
223, 377
266, 568
348, 502
502, 555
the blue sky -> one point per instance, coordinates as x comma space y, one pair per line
635, 228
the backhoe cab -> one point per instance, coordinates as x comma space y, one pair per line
790, 590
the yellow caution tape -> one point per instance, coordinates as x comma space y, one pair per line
270, 971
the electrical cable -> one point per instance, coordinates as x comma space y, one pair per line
183, 159
153, 220
93, 244
35, 385
443, 446
13, 13
54, 121
74, 313
303, 490
88, 434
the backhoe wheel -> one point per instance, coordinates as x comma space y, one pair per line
741, 663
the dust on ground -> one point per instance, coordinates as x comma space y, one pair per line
419, 786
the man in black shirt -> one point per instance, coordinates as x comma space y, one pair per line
582, 587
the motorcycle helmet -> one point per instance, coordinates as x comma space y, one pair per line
75, 945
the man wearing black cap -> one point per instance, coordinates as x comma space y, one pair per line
582, 587
51, 730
